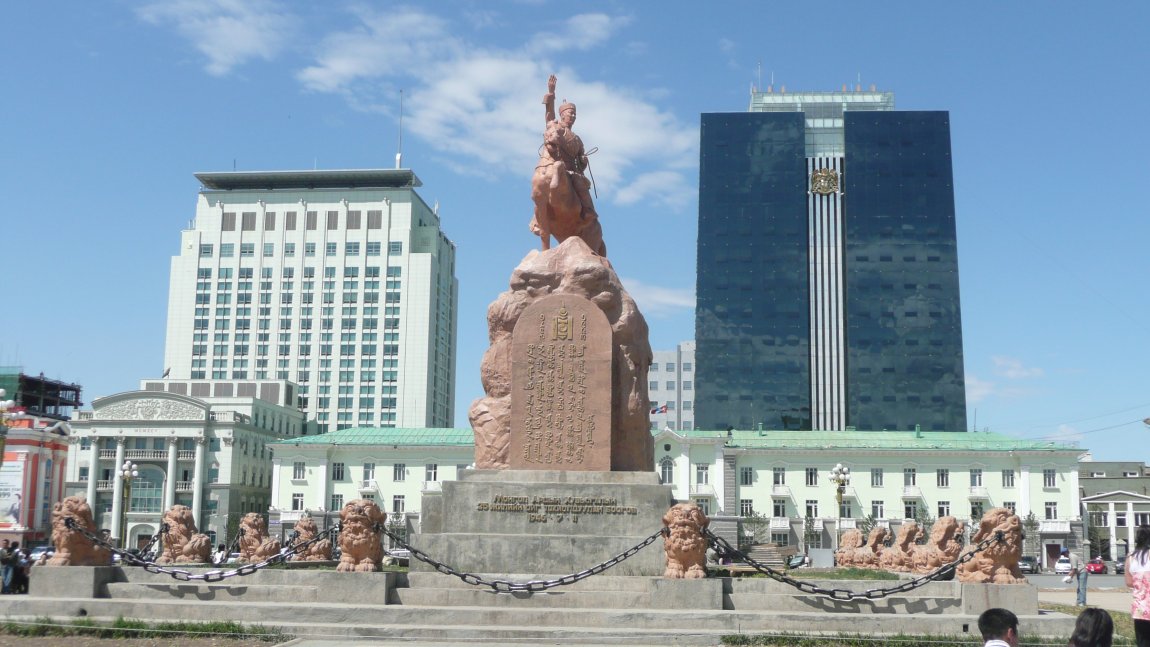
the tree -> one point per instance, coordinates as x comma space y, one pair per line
758, 526
866, 524
1099, 542
1030, 533
925, 521
811, 535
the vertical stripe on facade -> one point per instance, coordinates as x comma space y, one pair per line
825, 280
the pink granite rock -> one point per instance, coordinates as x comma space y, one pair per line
571, 268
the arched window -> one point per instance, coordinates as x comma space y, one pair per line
666, 471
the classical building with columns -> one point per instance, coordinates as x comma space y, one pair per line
1115, 501
196, 443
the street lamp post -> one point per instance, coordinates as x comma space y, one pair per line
128, 471
841, 477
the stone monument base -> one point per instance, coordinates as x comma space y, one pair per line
543, 522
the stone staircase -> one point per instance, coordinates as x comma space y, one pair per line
604, 609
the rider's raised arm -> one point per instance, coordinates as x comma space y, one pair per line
549, 99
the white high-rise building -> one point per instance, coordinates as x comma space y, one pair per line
671, 387
339, 281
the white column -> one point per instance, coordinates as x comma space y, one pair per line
1130, 526
1111, 526
322, 487
93, 472
198, 481
277, 463
117, 491
170, 482
685, 473
720, 481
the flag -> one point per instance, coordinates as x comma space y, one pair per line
662, 409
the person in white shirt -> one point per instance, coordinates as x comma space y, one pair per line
999, 628
1138, 581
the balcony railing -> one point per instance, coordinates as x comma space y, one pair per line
105, 486
911, 492
146, 454
368, 486
184, 486
432, 486
703, 489
1054, 526
781, 490
847, 524
978, 492
186, 455
780, 523
107, 453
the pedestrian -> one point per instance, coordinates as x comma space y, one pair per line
5, 564
1138, 581
20, 572
1094, 628
999, 628
1077, 571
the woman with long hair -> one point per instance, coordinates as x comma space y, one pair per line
1138, 581
1094, 628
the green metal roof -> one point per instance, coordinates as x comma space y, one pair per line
387, 436
900, 440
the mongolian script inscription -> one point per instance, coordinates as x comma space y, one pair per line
561, 386
554, 509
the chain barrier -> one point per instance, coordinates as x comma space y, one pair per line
152, 542
209, 576
506, 586
946, 571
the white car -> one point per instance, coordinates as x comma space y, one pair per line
1062, 566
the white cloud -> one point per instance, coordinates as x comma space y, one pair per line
977, 390
228, 32
1013, 369
481, 106
654, 300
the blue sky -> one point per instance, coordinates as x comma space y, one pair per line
110, 107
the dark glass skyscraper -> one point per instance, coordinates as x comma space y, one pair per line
827, 267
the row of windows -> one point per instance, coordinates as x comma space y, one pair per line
670, 386
340, 471
349, 272
1102, 519
878, 509
670, 366
398, 502
877, 476
268, 250
353, 220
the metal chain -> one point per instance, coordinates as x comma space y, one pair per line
210, 576
944, 571
506, 586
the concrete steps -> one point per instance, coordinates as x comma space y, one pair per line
213, 592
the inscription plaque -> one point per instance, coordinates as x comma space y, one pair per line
561, 370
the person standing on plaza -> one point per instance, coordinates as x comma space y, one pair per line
7, 555
1079, 572
1138, 581
999, 628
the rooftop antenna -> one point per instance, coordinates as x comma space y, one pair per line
399, 148
760, 70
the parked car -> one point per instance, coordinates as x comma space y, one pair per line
1062, 566
1028, 564
1097, 567
399, 556
41, 551
1120, 567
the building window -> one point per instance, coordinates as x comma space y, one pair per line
395, 248
1007, 478
368, 471
1120, 519
704, 505
1142, 519
269, 250
666, 471
397, 504
746, 476
846, 511
778, 507
687, 385
84, 473
374, 249
779, 475
297, 501
1009, 505
746, 508
337, 502
1130, 475
812, 508
351, 249
297, 470
876, 510
670, 366
337, 472
943, 509
330, 249
812, 476
976, 510
975, 477
876, 477
205, 251
909, 478
247, 250
431, 472
702, 473
399, 472
780, 538
909, 509
942, 478
1048, 478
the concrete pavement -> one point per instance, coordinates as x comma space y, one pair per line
1111, 599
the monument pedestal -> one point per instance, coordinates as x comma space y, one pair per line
543, 522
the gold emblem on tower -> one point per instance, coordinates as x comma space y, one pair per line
562, 330
824, 181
